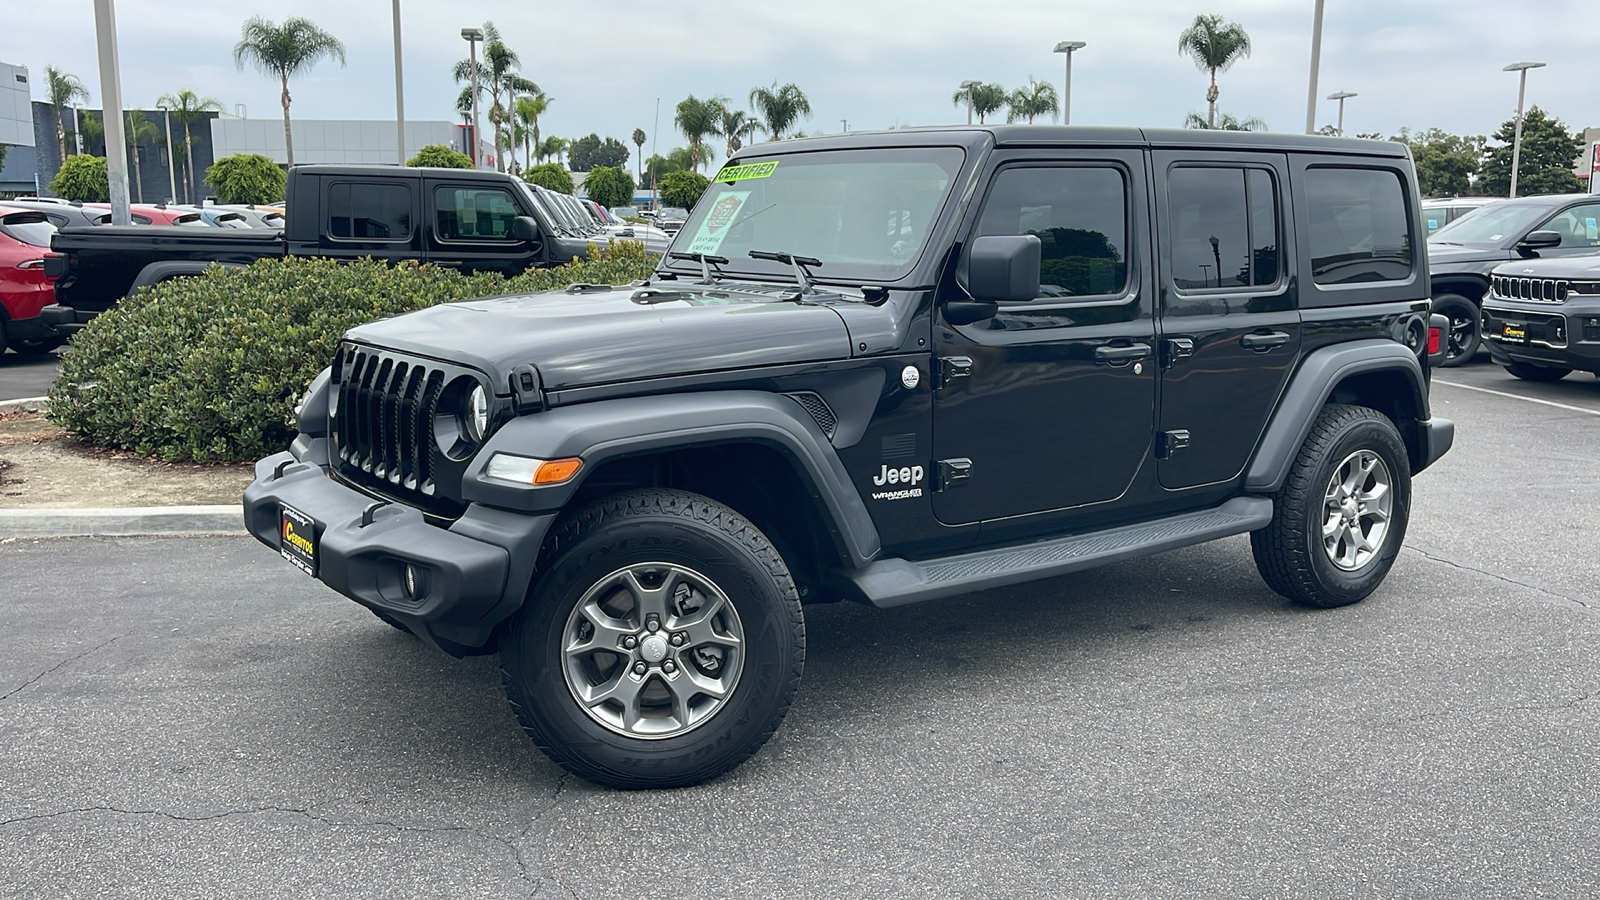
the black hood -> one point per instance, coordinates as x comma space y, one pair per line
1456, 257
580, 339
1573, 268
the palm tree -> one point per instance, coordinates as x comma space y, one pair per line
283, 50
699, 119
551, 146
528, 110
638, 141
779, 107
1215, 46
140, 131
1227, 123
188, 107
986, 99
1034, 100
495, 71
60, 90
737, 128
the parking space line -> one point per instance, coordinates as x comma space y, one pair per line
1591, 412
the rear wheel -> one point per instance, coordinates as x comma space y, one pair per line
1531, 372
1465, 329
662, 645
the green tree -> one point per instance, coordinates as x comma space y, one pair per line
1445, 162
550, 148
550, 176
438, 156
1034, 100
1215, 46
609, 186
528, 109
683, 188
590, 151
676, 160
1225, 122
736, 127
779, 108
292, 48
699, 119
986, 99
82, 178
638, 141
1548, 152
188, 108
496, 73
141, 131
4, 149
61, 90
246, 178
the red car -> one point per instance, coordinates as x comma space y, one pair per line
148, 214
24, 289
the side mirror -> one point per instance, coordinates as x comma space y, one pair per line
524, 228
1540, 240
1004, 267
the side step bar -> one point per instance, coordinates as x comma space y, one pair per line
896, 582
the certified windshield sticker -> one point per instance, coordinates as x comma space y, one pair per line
715, 227
731, 174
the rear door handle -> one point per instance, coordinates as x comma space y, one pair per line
1261, 343
1121, 356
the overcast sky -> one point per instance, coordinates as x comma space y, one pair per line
878, 63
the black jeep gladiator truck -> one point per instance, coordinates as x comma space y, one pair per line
884, 367
471, 220
1541, 318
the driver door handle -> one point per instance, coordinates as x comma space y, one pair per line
1120, 356
1261, 343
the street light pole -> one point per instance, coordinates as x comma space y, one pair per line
399, 90
1516, 141
845, 124
968, 86
1316, 61
105, 29
1341, 96
1066, 97
473, 36
172, 175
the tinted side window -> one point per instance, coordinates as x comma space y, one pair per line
1224, 228
1578, 226
1080, 215
1358, 225
474, 214
371, 212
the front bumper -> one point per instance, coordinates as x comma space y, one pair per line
1565, 335
476, 572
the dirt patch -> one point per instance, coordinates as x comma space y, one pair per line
43, 466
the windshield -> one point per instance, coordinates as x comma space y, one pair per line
866, 214
1490, 225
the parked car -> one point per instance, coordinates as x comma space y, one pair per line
1441, 212
671, 219
254, 216
148, 214
626, 212
59, 213
219, 217
1463, 253
25, 289
1541, 319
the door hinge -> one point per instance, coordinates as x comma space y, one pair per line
1176, 350
953, 367
952, 472
1171, 442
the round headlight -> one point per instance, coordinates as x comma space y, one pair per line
477, 417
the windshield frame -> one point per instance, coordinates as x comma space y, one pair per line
959, 173
1447, 233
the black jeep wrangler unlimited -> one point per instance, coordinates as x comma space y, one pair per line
884, 367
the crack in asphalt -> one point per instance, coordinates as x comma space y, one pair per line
555, 798
1499, 577
37, 678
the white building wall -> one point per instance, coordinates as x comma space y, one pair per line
16, 106
325, 140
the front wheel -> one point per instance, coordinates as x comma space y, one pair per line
661, 647
1466, 328
1530, 372
1340, 517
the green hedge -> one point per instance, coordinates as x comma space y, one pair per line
208, 369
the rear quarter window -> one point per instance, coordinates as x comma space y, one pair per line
1359, 231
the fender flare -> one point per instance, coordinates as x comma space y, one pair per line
1309, 390
605, 430
157, 272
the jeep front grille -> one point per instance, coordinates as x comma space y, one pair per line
1540, 290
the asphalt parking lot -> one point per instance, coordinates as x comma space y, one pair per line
192, 718
23, 376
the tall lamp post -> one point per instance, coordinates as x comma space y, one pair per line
172, 175
1522, 93
472, 36
1341, 96
967, 86
399, 89
1066, 97
1316, 61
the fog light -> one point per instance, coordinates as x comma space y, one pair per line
416, 582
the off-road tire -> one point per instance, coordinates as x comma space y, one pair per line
1459, 349
1289, 552
1531, 372
631, 529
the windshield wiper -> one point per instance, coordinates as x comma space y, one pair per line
703, 259
798, 263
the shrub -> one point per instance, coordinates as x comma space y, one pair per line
683, 188
209, 368
549, 176
82, 178
609, 186
246, 178
438, 156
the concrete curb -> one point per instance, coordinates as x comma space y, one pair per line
121, 522
31, 404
